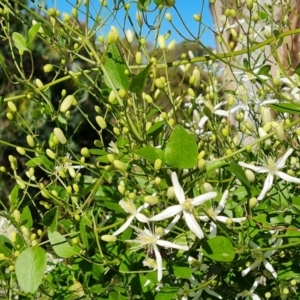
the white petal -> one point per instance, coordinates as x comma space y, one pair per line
281, 161
260, 169
222, 113
204, 218
202, 121
255, 297
145, 205
221, 205
179, 193
255, 284
172, 224
167, 213
210, 292
202, 198
267, 186
222, 219
253, 266
142, 218
287, 177
124, 226
193, 225
238, 220
158, 263
270, 268
168, 244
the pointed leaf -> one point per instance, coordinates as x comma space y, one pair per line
290, 108
115, 69
20, 42
30, 268
181, 150
219, 248
150, 153
50, 218
138, 82
238, 171
83, 233
32, 32
213, 165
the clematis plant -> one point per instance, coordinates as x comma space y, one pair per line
185, 207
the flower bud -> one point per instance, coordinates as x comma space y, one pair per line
121, 189
138, 58
39, 83
48, 68
116, 131
201, 164
157, 164
168, 17
249, 4
30, 140
171, 45
13, 237
208, 187
170, 192
129, 36
157, 180
161, 42
85, 152
152, 200
159, 83
66, 103
74, 12
50, 153
108, 238
71, 171
139, 18
280, 133
197, 17
21, 150
11, 106
101, 122
17, 216
250, 175
119, 165
252, 202
60, 135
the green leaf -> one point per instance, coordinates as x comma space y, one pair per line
143, 4
20, 42
50, 218
290, 108
150, 153
14, 196
60, 245
26, 217
182, 272
265, 70
297, 70
32, 32
219, 248
5, 245
181, 150
238, 171
138, 82
155, 126
213, 165
83, 233
166, 293
115, 69
30, 268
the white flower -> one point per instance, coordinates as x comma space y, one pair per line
66, 163
247, 76
250, 294
293, 82
147, 239
196, 264
185, 206
272, 168
214, 215
262, 258
130, 208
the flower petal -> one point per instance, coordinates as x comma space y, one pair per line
167, 213
212, 293
202, 198
179, 193
287, 177
267, 186
158, 262
253, 266
193, 224
142, 218
168, 244
221, 205
281, 161
260, 169
213, 229
270, 268
124, 226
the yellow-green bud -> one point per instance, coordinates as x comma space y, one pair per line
201, 164
161, 41
39, 83
122, 93
159, 83
280, 132
208, 187
129, 36
74, 12
157, 180
148, 98
250, 175
268, 295
2, 256
32, 236
108, 238
197, 17
17, 215
121, 189
157, 164
30, 140
233, 13
267, 33
151, 199
138, 58
69, 189
13, 237
2, 169
119, 165
148, 125
252, 202
293, 282
110, 157
77, 218
11, 106
139, 18
116, 130
48, 68
21, 150
286, 291
85, 152
168, 17
170, 192
9, 116
58, 133
71, 171
50, 153
66, 103
249, 4
25, 231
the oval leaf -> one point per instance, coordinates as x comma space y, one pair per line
61, 246
30, 268
150, 153
219, 248
139, 81
181, 151
20, 42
